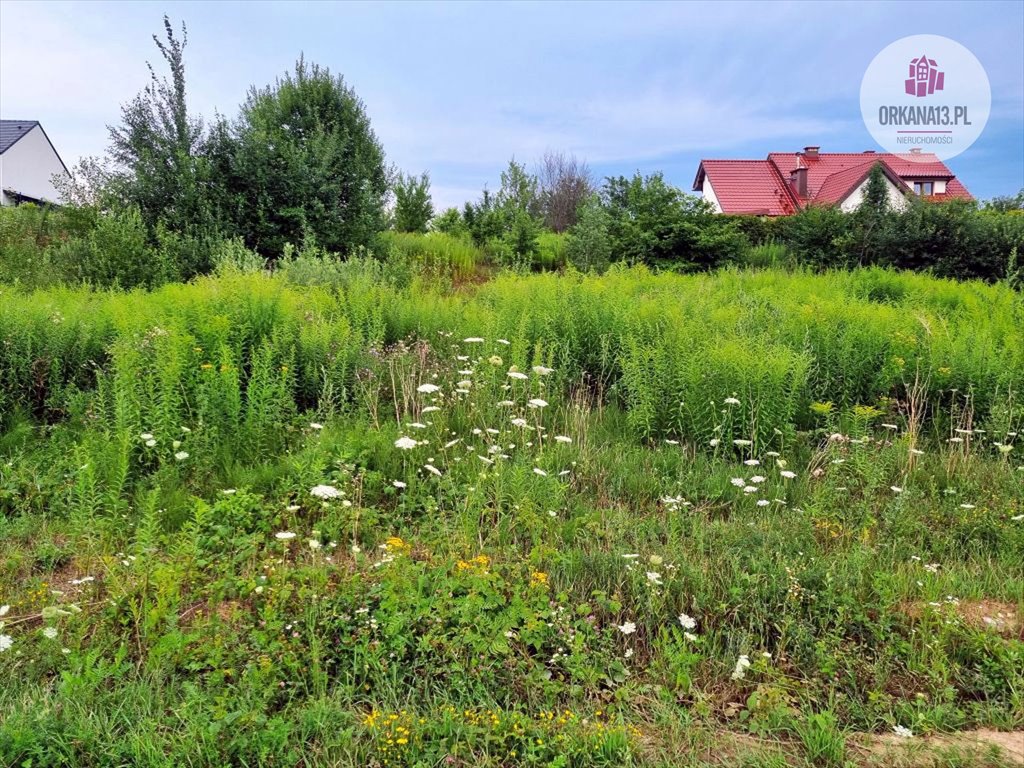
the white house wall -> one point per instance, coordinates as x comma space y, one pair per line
896, 199
28, 166
709, 194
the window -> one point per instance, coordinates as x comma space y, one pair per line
924, 187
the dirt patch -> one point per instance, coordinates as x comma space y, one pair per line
999, 617
984, 747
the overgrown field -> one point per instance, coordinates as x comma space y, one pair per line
350, 515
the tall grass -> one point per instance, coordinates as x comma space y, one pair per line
671, 348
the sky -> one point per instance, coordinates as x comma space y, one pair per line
457, 89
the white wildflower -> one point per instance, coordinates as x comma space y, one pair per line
316, 425
742, 665
325, 492
181, 455
432, 469
6, 641
654, 578
788, 474
687, 622
628, 628
284, 535
539, 471
538, 403
540, 370
903, 732
405, 443
513, 374
427, 389
562, 439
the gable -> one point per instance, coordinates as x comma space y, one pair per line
28, 165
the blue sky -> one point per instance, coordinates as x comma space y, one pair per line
458, 89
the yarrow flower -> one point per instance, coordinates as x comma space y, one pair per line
316, 425
181, 455
514, 374
405, 443
50, 633
731, 401
742, 665
538, 403
902, 731
540, 370
325, 492
562, 439
687, 622
432, 469
6, 641
473, 340
427, 388
654, 578
284, 535
788, 474
628, 628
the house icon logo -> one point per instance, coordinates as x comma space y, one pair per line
925, 78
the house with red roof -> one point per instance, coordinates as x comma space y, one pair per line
787, 182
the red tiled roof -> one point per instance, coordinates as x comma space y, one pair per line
762, 186
749, 186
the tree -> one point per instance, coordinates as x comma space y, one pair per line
588, 246
304, 163
157, 151
565, 183
413, 207
450, 222
1005, 203
872, 218
519, 191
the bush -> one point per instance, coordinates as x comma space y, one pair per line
434, 251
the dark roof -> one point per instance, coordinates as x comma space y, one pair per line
12, 130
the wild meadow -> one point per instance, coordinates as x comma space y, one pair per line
372, 513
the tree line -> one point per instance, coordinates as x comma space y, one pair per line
300, 164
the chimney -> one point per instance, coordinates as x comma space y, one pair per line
811, 151
915, 151
798, 181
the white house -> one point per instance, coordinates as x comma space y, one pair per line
787, 182
28, 164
